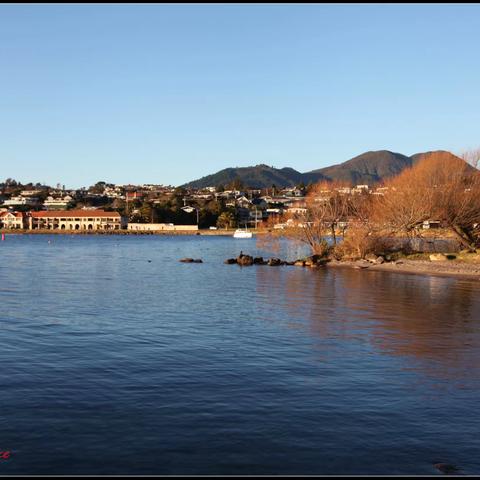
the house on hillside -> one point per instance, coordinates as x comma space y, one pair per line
20, 201
135, 195
293, 192
60, 203
243, 201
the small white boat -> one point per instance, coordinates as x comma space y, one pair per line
239, 233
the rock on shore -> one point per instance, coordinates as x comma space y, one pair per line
274, 262
247, 260
438, 257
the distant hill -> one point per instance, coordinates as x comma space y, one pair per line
420, 156
259, 176
367, 168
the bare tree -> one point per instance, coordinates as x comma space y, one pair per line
472, 157
325, 206
405, 205
457, 196
314, 222
441, 187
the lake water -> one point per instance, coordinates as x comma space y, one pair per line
112, 364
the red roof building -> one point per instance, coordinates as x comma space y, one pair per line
76, 220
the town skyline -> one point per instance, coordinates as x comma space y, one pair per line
368, 167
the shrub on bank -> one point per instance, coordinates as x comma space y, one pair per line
323, 249
360, 241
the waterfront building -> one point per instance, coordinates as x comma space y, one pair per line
256, 216
160, 227
76, 220
13, 220
427, 224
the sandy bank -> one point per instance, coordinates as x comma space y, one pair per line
449, 268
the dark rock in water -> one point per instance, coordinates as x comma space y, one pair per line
446, 468
274, 262
258, 261
312, 261
198, 260
187, 260
245, 260
230, 261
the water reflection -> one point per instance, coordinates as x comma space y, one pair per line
213, 369
430, 321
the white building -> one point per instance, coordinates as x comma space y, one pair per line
20, 201
52, 203
161, 227
13, 220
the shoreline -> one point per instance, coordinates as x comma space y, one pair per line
446, 269
449, 269
229, 232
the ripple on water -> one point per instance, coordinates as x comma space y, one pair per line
113, 365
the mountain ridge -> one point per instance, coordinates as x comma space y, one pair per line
370, 167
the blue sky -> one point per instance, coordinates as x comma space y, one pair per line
170, 93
